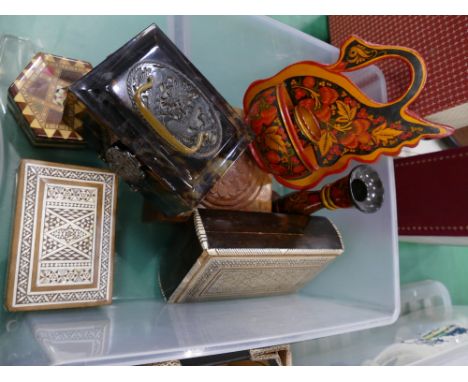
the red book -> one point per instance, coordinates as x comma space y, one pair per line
441, 40
431, 192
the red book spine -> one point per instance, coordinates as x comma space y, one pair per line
432, 194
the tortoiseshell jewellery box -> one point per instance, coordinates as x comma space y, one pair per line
63, 237
224, 254
158, 122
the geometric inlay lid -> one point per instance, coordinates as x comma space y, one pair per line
238, 254
40, 92
63, 240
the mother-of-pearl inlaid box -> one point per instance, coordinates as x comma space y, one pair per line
63, 237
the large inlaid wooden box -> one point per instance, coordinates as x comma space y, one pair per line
234, 254
63, 237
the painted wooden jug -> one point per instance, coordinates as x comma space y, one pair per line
310, 120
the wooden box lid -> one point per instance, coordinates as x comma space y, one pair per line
63, 237
37, 97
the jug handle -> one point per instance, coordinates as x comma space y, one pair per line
163, 132
356, 53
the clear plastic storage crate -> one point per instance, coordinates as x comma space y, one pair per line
359, 290
430, 332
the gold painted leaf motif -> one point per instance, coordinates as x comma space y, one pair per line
326, 142
274, 141
346, 115
358, 54
272, 130
383, 133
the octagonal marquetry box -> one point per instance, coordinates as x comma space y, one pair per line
37, 98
